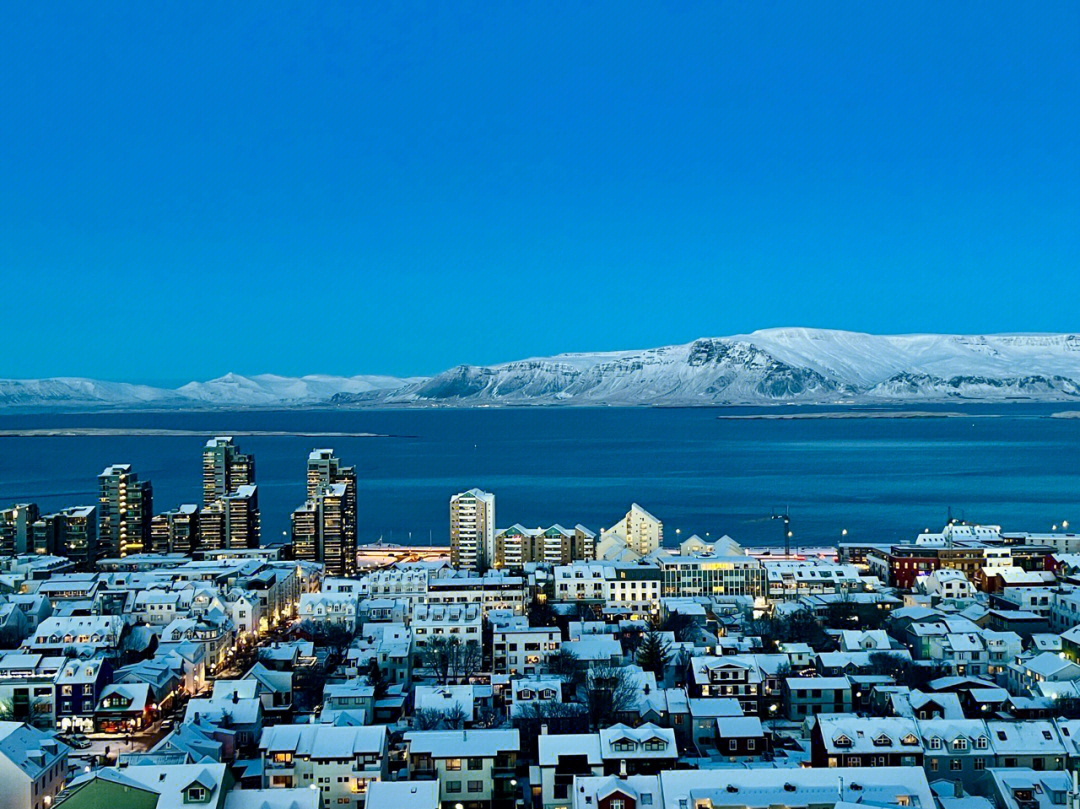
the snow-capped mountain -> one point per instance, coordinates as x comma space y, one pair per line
73, 391
770, 366
271, 390
776, 365
231, 390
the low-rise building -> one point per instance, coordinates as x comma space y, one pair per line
524, 650
33, 766
474, 767
338, 762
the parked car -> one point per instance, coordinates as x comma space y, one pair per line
76, 740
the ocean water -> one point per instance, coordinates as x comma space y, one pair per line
881, 479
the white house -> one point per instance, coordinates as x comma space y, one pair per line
33, 766
339, 762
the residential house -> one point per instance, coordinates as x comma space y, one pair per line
809, 696
474, 767
339, 762
33, 766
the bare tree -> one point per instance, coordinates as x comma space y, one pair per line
427, 719
468, 657
563, 664
437, 657
454, 717
550, 710
606, 692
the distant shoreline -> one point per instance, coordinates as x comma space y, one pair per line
74, 432
854, 414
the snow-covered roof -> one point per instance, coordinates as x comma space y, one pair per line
279, 798
324, 741
845, 733
646, 741
31, 750
552, 746
759, 788
401, 795
481, 743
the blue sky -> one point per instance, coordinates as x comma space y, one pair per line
188, 189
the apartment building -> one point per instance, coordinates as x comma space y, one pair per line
463, 622
495, 590
225, 469
175, 531
524, 650
231, 522
516, 546
474, 767
472, 530
71, 532
337, 762
125, 507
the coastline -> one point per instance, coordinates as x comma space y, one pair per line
74, 432
854, 414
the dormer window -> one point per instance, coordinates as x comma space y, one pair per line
960, 744
195, 793
882, 741
909, 740
935, 743
842, 741
981, 742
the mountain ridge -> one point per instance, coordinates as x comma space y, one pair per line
770, 366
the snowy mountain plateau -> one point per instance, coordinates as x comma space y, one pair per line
790, 365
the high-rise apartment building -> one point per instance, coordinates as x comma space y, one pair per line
175, 531
242, 525
225, 469
125, 507
71, 533
231, 522
472, 530
324, 528
16, 534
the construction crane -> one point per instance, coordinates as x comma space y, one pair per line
786, 517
